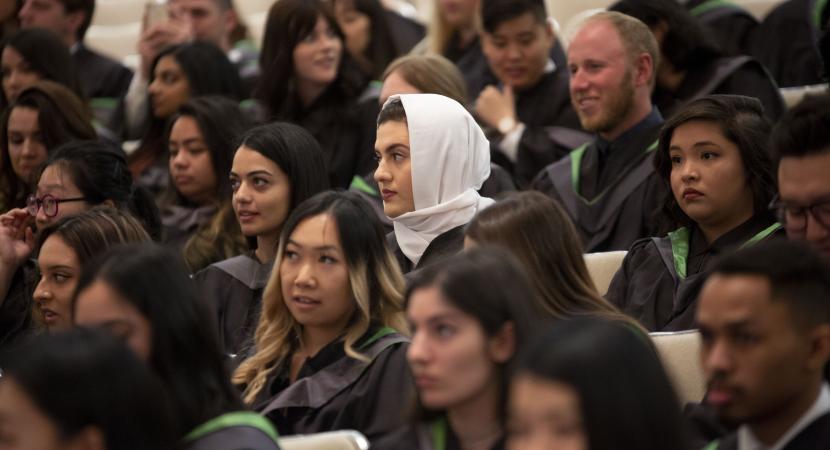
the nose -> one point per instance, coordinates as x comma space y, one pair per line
417, 353
717, 359
305, 276
41, 293
153, 88
381, 174
25, 11
514, 52
242, 194
688, 171
180, 160
579, 81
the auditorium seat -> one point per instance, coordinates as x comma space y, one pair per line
332, 440
758, 8
602, 267
794, 95
680, 354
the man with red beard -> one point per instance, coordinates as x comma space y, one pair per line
609, 186
764, 319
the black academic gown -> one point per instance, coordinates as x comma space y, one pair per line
336, 392
406, 33
786, 43
101, 76
442, 247
16, 322
736, 75
239, 430
472, 64
552, 127
731, 26
425, 436
616, 193
815, 437
233, 288
648, 286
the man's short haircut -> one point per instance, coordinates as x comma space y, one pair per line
797, 274
496, 12
804, 130
87, 7
392, 111
636, 37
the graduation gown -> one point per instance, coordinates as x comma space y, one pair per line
335, 392
732, 26
552, 127
16, 322
660, 278
239, 430
815, 437
442, 247
101, 76
736, 75
435, 435
609, 189
233, 288
786, 43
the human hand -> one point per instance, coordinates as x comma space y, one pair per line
494, 105
16, 237
157, 36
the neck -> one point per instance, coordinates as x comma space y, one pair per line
225, 45
712, 231
476, 423
640, 109
466, 35
308, 93
314, 339
770, 429
266, 246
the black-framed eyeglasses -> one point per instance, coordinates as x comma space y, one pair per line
49, 203
794, 217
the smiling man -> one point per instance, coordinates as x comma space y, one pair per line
609, 186
530, 108
764, 320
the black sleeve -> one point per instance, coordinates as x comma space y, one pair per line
753, 80
541, 146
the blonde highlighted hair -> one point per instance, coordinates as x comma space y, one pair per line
375, 281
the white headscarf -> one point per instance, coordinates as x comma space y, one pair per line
450, 159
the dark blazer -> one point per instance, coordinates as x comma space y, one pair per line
815, 437
101, 76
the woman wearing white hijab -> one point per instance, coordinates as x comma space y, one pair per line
432, 158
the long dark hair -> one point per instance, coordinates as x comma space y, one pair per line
61, 117
288, 23
743, 123
100, 172
489, 285
185, 350
47, 55
297, 154
380, 50
81, 378
582, 354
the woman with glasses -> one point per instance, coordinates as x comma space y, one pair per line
713, 158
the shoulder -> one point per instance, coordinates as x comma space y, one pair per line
90, 56
405, 438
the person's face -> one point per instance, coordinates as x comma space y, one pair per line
26, 149
452, 359
356, 26
602, 79
261, 193
55, 181
396, 84
458, 13
394, 172
518, 49
315, 277
207, 20
17, 74
317, 56
101, 306
51, 15
59, 271
756, 359
23, 426
803, 181
544, 415
191, 167
169, 89
707, 175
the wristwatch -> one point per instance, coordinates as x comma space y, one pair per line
506, 125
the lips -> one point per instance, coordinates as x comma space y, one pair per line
49, 316
691, 194
424, 381
304, 303
720, 397
388, 194
182, 179
246, 216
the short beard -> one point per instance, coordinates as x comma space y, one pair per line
620, 104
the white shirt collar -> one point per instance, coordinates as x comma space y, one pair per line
748, 441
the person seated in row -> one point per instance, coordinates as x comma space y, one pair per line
714, 159
329, 349
142, 295
178, 74
764, 322
40, 119
469, 314
609, 187
801, 145
276, 167
196, 209
313, 83
731, 25
78, 177
432, 157
561, 396
692, 65
83, 390
529, 112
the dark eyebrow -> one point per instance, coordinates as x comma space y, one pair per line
320, 248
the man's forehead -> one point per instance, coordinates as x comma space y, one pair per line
733, 298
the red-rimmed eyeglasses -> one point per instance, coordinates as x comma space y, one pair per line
49, 204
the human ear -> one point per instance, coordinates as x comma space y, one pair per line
90, 438
502, 346
819, 347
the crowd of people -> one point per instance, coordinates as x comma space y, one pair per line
368, 223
